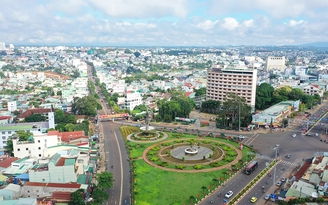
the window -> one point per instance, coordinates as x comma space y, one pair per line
18, 149
38, 141
9, 132
39, 148
3, 137
43, 180
26, 148
4, 142
3, 133
28, 191
39, 155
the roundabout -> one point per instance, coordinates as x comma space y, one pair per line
200, 156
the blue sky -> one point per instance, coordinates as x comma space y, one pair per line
164, 23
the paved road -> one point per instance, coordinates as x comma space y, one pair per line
116, 155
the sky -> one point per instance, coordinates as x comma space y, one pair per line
163, 22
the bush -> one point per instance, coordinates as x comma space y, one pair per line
198, 167
154, 159
180, 167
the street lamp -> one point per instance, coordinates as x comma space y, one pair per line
276, 148
239, 116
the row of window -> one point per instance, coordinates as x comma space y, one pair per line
9, 132
18, 149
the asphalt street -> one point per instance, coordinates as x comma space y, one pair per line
116, 157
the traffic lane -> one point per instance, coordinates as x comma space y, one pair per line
235, 184
183, 130
125, 165
111, 152
266, 186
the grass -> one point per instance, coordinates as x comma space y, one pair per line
160, 187
156, 186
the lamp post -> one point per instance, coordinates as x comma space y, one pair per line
276, 148
239, 116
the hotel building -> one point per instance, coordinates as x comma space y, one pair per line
240, 81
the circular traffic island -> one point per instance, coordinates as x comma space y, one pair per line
191, 156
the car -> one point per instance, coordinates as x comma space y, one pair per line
267, 197
279, 183
288, 156
308, 134
241, 136
294, 135
228, 194
253, 199
283, 179
316, 134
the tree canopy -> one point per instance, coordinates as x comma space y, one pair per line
87, 105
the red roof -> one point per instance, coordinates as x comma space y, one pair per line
188, 93
59, 195
61, 185
35, 111
5, 117
67, 136
61, 161
7, 162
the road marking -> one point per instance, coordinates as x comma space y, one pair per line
120, 156
251, 139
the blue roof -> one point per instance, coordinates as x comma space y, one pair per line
23, 176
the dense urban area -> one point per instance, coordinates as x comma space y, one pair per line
163, 125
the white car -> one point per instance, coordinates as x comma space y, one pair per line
293, 135
228, 194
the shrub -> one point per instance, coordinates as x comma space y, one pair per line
154, 159
180, 167
198, 167
155, 148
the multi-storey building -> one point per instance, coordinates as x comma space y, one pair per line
275, 63
221, 82
132, 100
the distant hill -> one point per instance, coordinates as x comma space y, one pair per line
317, 44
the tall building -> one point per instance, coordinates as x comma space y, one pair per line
240, 81
275, 63
2, 46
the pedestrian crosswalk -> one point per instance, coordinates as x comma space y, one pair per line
281, 161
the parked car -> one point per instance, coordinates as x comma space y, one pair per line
294, 135
308, 134
279, 183
283, 179
228, 194
267, 197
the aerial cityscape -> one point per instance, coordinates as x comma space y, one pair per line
163, 103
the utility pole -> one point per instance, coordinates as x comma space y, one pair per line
239, 116
276, 148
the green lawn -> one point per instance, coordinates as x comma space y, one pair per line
160, 187
156, 186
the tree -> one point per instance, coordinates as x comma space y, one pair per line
136, 54
59, 93
264, 96
77, 197
211, 106
229, 113
192, 198
37, 117
200, 91
86, 106
114, 97
204, 189
296, 94
105, 180
99, 195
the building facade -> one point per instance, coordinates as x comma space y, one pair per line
132, 100
273, 62
221, 82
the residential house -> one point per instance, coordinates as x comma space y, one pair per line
37, 189
301, 189
10, 192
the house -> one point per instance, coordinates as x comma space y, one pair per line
39, 189
4, 164
10, 192
301, 189
6, 120
29, 112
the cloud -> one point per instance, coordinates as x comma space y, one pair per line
206, 25
141, 8
248, 23
295, 23
230, 23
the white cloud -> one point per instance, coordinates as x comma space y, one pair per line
248, 23
230, 23
295, 23
141, 8
207, 24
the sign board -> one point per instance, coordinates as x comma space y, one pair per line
113, 116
